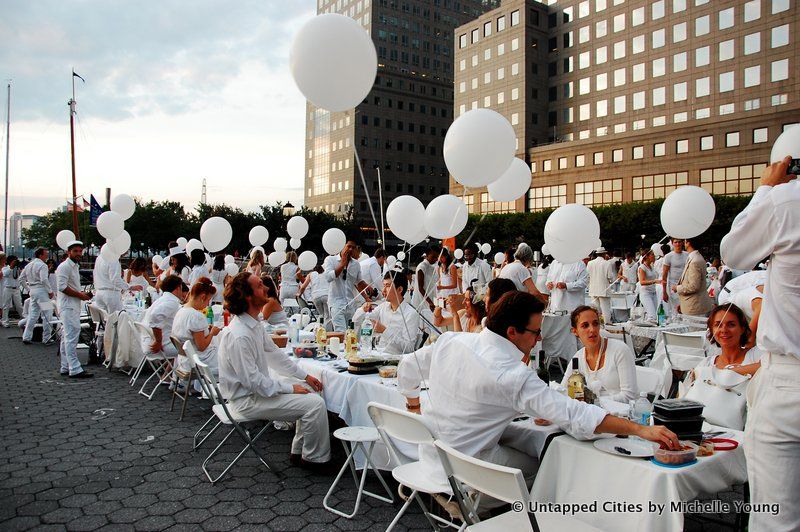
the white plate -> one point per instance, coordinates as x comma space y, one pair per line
637, 447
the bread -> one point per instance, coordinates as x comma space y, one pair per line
387, 372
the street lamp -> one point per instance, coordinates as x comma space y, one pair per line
288, 209
643, 240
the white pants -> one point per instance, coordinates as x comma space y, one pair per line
11, 296
321, 305
604, 305
671, 306
311, 438
108, 300
71, 323
341, 313
650, 303
38, 297
289, 292
772, 443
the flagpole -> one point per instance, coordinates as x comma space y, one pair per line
72, 150
8, 143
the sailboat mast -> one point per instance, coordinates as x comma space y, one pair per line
8, 143
72, 146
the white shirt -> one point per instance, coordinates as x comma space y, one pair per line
108, 275
246, 355
372, 273
479, 270
317, 287
599, 280
742, 283
575, 276
340, 287
431, 273
677, 263
289, 276
617, 377
770, 226
10, 277
67, 275
402, 326
37, 275
197, 272
517, 273
650, 274
188, 321
161, 316
630, 271
541, 279
751, 357
478, 385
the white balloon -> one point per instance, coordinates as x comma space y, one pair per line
419, 237
229, 259
157, 260
122, 243
499, 257
110, 225
107, 252
163, 264
295, 243
513, 184
333, 240
687, 212
216, 233
401, 255
258, 235
276, 258
571, 232
257, 248
307, 261
479, 147
787, 143
545, 250
405, 216
458, 254
486, 248
333, 62
231, 268
64, 237
123, 205
193, 244
181, 241
656, 249
391, 260
445, 216
280, 244
297, 227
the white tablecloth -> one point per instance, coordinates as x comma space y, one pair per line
575, 472
654, 333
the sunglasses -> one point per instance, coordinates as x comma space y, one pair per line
535, 332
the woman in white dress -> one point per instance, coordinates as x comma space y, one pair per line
519, 273
315, 289
256, 262
541, 275
449, 283
607, 364
135, 275
728, 328
199, 268
218, 277
273, 310
649, 277
190, 323
290, 275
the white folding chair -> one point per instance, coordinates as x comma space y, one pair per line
683, 351
649, 380
99, 317
619, 302
181, 375
404, 426
226, 417
158, 362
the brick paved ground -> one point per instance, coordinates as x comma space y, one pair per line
65, 465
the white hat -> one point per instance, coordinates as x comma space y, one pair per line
601, 250
177, 250
74, 243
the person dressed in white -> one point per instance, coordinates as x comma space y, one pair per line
70, 296
629, 272
519, 271
600, 278
742, 283
475, 270
197, 259
273, 312
648, 279
394, 320
449, 282
248, 362
770, 226
10, 286
674, 264
541, 274
135, 275
478, 383
372, 270
218, 276
427, 279
190, 324
108, 284
343, 273
315, 290
290, 275
160, 316
728, 329
37, 277
567, 285
606, 363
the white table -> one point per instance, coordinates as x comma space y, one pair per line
576, 472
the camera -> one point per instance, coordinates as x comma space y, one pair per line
794, 167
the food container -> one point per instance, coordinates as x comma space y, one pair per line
305, 350
681, 426
686, 454
280, 340
387, 372
677, 408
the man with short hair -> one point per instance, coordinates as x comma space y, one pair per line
474, 269
343, 272
600, 278
37, 276
427, 279
160, 316
372, 272
674, 266
691, 288
10, 288
247, 359
70, 296
395, 321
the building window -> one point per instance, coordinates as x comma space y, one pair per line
726, 17
682, 146
659, 39
547, 165
475, 35
489, 205
562, 163
702, 26
732, 180
752, 43
637, 153
779, 70
702, 56
780, 36
580, 161
462, 40
659, 149
603, 192
726, 81
540, 198
597, 157
752, 10
616, 155
707, 143
760, 135
648, 187
732, 139
515, 17
501, 23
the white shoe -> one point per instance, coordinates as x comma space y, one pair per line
283, 425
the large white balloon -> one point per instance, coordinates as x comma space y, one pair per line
401, 255
280, 244
122, 243
123, 205
107, 252
514, 182
216, 233
687, 212
571, 232
787, 143
479, 147
229, 259
64, 237
499, 257
405, 216
391, 260
297, 227
295, 243
193, 244
333, 62
276, 258
458, 254
445, 216
110, 225
181, 241
419, 237
333, 240
258, 235
231, 268
545, 250
157, 260
486, 248
307, 261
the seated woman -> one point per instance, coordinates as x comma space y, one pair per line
273, 311
728, 329
469, 311
135, 275
190, 324
606, 363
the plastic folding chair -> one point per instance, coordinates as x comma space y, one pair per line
99, 318
684, 351
179, 375
158, 362
649, 380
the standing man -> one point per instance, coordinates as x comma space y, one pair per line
372, 271
673, 268
11, 295
427, 279
600, 278
770, 226
567, 285
629, 272
691, 288
474, 268
68, 282
343, 272
109, 285
37, 276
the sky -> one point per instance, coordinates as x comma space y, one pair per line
175, 92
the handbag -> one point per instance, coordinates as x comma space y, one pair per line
722, 392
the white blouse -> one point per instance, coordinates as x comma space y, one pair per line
617, 376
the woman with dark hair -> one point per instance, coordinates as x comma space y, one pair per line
135, 274
470, 317
728, 328
218, 277
190, 324
197, 259
541, 275
273, 310
448, 275
495, 290
178, 265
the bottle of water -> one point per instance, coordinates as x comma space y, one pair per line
642, 410
365, 340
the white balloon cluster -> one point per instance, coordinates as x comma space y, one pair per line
111, 226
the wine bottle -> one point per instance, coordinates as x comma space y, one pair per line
576, 384
543, 372
321, 335
350, 340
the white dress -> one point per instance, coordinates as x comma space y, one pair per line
218, 280
446, 279
647, 294
289, 284
187, 321
517, 273
617, 376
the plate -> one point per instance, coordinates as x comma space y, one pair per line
637, 447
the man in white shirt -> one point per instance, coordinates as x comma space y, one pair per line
674, 265
600, 278
395, 321
10, 285
427, 278
629, 272
248, 361
567, 285
37, 276
478, 383
372, 271
70, 296
160, 316
347, 286
109, 284
770, 226
474, 268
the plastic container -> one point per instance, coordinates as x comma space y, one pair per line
677, 408
682, 426
686, 454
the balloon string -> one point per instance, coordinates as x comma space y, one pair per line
364, 184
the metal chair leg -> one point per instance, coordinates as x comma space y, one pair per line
350, 462
195, 444
402, 511
186, 394
137, 371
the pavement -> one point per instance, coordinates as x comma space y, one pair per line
93, 454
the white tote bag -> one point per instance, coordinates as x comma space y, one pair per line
722, 391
